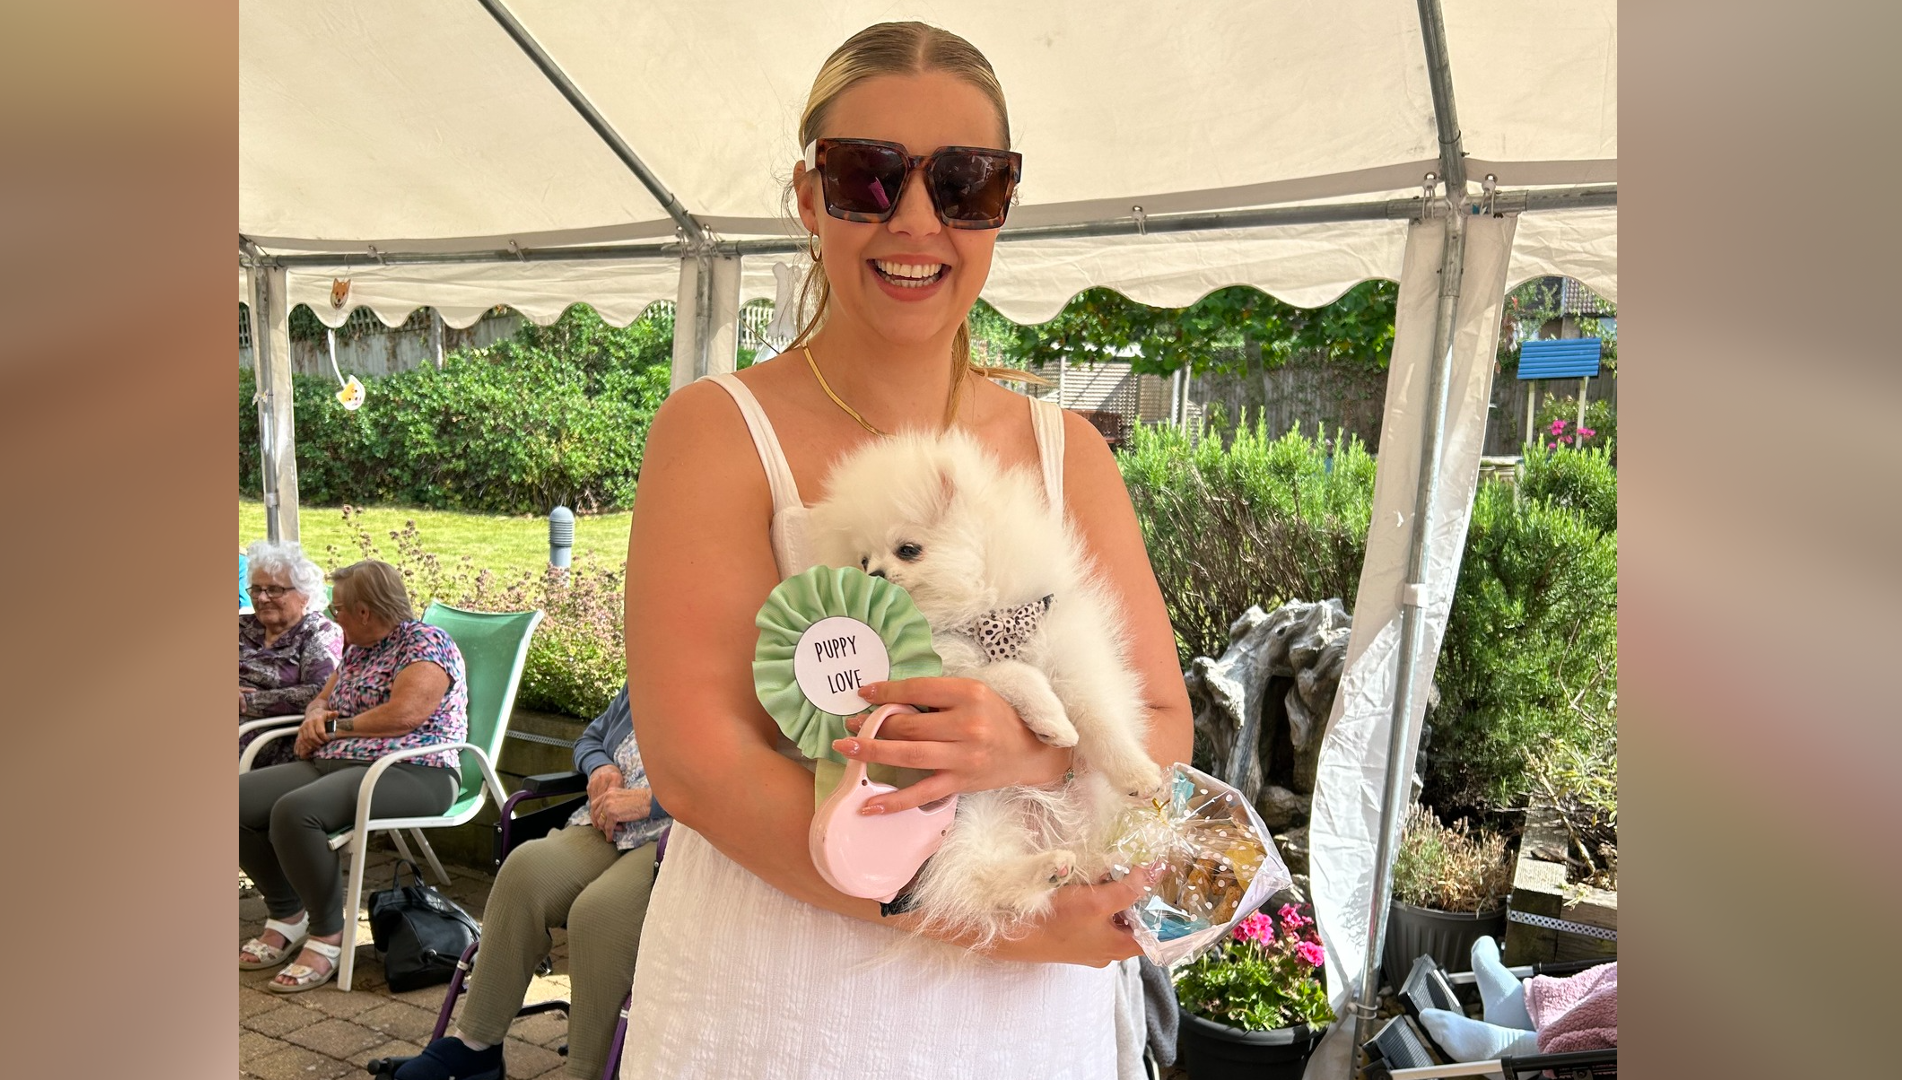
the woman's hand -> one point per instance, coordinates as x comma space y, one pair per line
313, 732
972, 740
1084, 924
610, 809
604, 779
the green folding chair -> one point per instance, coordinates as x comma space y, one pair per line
494, 647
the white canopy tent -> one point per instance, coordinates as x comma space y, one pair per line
538, 153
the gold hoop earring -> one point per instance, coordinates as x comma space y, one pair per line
813, 246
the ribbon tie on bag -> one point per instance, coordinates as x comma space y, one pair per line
1003, 632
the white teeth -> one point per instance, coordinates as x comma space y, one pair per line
913, 273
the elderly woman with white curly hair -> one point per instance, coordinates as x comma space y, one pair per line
287, 647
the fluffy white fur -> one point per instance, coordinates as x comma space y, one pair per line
964, 536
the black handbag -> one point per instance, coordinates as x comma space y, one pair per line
420, 933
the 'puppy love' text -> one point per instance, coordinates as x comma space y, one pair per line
835, 658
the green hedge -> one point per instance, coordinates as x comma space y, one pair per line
554, 416
1530, 649
1259, 521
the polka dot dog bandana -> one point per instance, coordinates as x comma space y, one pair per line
1003, 632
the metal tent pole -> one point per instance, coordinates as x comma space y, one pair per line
706, 317
263, 397
273, 393
561, 82
702, 315
1504, 202
1413, 601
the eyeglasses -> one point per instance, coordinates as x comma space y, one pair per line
267, 592
862, 179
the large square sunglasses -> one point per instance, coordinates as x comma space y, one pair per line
862, 180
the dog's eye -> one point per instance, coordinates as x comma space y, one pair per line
908, 551
863, 562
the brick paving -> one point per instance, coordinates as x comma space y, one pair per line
325, 1034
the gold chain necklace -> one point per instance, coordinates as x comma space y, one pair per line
850, 410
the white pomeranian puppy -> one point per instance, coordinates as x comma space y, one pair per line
1008, 589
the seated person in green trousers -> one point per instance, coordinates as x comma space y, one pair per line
592, 877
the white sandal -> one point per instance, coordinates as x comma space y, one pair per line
305, 978
262, 955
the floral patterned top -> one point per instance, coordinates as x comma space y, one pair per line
366, 680
285, 675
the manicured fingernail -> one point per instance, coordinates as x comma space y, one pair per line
848, 747
871, 809
868, 692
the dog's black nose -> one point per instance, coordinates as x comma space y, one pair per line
881, 574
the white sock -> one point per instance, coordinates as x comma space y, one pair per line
1501, 999
477, 1046
1466, 1039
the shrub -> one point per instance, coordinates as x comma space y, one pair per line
1530, 652
556, 415
577, 660
1579, 480
1261, 521
1447, 868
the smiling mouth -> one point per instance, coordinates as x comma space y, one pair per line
909, 275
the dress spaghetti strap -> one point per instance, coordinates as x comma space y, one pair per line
786, 495
1051, 433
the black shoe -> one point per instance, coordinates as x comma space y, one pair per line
444, 1059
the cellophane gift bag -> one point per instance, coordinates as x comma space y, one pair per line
1221, 864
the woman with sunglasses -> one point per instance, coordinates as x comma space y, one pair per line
750, 964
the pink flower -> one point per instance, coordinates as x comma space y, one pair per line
1586, 432
1558, 426
1313, 954
1255, 927
1290, 917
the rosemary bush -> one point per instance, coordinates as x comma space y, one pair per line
1260, 521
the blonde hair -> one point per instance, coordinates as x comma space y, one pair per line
377, 585
901, 48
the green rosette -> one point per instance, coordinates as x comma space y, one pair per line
804, 599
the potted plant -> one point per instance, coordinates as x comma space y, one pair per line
1255, 1005
1450, 887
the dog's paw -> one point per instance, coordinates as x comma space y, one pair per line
1056, 866
1049, 723
1138, 776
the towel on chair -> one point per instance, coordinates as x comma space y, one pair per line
1580, 1012
1163, 1012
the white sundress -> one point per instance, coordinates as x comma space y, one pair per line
736, 979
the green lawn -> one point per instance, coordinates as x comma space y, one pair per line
497, 542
